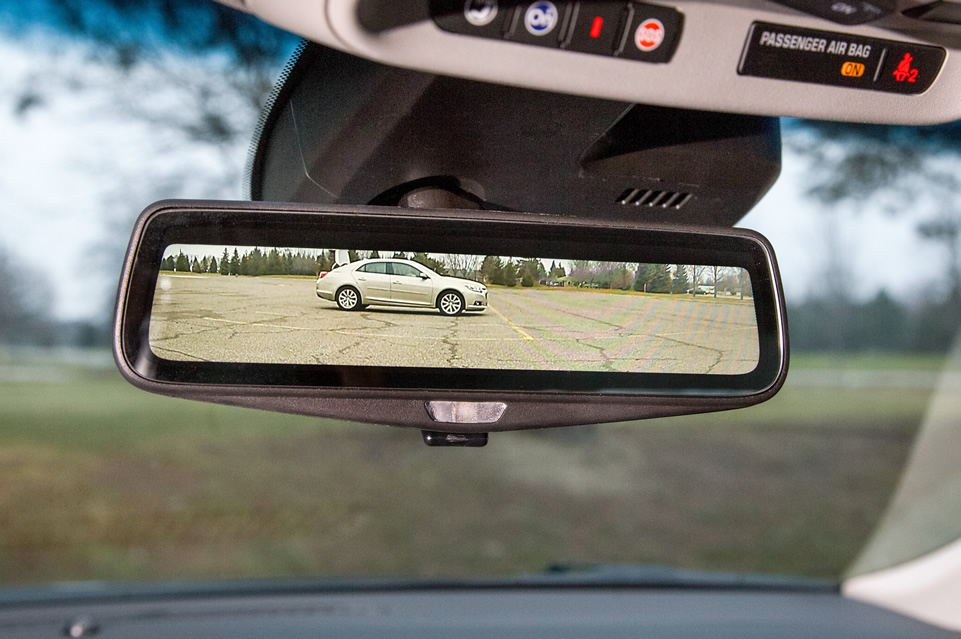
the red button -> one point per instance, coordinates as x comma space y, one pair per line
596, 27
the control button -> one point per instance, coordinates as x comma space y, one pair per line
843, 11
597, 27
484, 18
649, 34
542, 22
839, 59
943, 11
541, 18
480, 13
652, 33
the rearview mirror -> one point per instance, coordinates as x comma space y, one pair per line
453, 321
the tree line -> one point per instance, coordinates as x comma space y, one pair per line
491, 269
879, 324
254, 263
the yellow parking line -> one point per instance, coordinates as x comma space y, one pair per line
520, 331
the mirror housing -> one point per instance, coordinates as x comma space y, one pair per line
486, 397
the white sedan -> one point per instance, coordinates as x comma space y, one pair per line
397, 282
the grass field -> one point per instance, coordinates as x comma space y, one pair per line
101, 481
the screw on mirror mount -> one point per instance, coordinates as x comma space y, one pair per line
471, 440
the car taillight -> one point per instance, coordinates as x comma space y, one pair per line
322, 273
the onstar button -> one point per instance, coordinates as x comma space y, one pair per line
541, 18
543, 22
597, 27
652, 33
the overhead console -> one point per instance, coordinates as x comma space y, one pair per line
628, 30
884, 61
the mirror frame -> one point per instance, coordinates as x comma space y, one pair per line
409, 396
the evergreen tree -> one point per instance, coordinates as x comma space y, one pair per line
256, 262
510, 273
195, 266
660, 279
490, 268
429, 262
534, 268
225, 263
681, 282
275, 263
212, 266
167, 264
182, 264
527, 280
245, 264
325, 262
235, 263
642, 277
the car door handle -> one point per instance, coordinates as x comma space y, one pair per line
361, 279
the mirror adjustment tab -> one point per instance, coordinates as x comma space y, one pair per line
839, 59
652, 33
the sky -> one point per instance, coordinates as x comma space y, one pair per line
77, 169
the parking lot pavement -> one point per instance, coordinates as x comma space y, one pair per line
281, 320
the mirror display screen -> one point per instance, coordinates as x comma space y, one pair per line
284, 305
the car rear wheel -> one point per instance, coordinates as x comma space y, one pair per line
450, 303
348, 298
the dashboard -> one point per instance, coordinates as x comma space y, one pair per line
502, 613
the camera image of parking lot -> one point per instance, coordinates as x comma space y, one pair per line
535, 314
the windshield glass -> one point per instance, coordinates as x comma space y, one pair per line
103, 110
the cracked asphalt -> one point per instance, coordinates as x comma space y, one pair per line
281, 320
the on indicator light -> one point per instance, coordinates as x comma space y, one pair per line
852, 69
596, 27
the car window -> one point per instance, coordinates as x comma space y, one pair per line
374, 267
405, 270
100, 481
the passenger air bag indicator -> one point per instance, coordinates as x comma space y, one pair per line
839, 59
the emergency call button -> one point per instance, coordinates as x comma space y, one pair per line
652, 33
